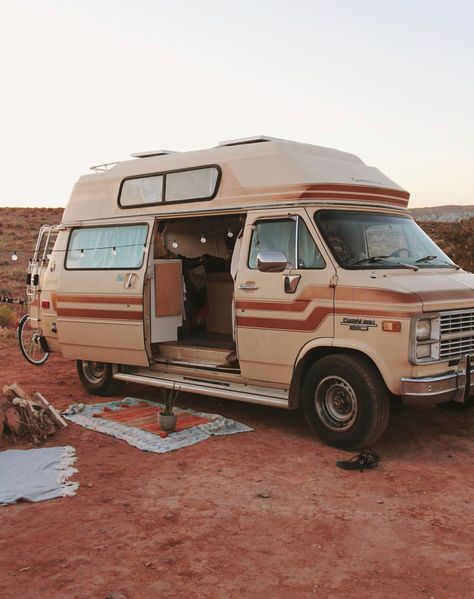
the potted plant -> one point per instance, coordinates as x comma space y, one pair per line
167, 417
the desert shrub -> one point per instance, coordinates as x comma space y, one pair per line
7, 318
7, 335
18, 274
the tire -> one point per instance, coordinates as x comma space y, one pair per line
32, 343
97, 378
345, 402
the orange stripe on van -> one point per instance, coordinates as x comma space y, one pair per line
105, 314
296, 306
100, 299
311, 323
315, 319
361, 193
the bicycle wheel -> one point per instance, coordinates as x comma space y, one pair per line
32, 343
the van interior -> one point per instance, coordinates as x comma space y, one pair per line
192, 292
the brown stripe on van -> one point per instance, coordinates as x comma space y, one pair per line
54, 300
308, 294
315, 319
328, 190
332, 195
100, 299
311, 323
104, 314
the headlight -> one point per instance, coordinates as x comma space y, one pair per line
425, 339
423, 329
423, 351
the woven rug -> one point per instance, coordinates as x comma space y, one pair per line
145, 416
195, 426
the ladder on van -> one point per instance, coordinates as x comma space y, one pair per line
39, 260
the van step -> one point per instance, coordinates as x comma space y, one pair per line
191, 353
193, 384
199, 365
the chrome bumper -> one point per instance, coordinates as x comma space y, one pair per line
454, 386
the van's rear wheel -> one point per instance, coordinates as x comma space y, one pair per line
97, 378
345, 401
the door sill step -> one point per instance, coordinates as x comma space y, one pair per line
198, 365
192, 384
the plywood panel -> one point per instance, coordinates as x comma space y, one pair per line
168, 289
220, 295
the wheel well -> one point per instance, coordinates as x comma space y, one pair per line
312, 356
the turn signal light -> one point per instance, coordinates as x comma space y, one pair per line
391, 326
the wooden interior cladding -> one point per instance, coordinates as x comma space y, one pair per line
168, 289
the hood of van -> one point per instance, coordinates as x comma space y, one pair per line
436, 289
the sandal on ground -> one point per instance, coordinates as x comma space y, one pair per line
366, 460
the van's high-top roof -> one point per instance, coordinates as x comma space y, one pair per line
254, 172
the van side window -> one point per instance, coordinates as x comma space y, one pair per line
280, 234
98, 248
185, 185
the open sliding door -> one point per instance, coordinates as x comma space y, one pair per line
100, 308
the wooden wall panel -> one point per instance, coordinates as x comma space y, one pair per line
168, 289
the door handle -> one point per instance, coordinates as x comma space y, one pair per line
129, 280
248, 286
291, 283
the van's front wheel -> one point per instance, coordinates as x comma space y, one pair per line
345, 401
97, 377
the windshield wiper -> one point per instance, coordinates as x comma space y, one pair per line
374, 259
426, 259
431, 258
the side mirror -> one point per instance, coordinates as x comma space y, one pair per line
272, 261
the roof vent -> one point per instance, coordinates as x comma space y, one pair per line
247, 140
152, 153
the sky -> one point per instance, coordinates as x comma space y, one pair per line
89, 82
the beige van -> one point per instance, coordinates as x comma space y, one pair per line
261, 270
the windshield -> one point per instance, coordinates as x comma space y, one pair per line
371, 240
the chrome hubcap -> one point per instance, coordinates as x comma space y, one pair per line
94, 371
336, 403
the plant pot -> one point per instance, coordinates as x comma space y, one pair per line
167, 423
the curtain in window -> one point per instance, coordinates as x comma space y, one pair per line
107, 247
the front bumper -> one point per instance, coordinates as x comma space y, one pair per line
454, 386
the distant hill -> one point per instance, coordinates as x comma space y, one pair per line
443, 214
19, 229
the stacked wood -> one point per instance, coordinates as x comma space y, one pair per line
26, 417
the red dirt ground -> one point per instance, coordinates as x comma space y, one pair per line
257, 514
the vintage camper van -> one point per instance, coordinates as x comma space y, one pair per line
261, 270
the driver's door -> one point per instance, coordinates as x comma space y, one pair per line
277, 313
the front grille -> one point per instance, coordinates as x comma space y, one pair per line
457, 334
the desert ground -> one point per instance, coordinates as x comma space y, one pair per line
264, 513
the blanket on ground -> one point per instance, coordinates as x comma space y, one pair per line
146, 416
90, 417
36, 474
